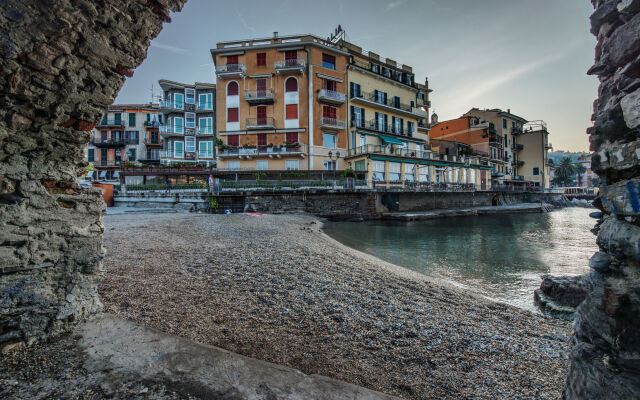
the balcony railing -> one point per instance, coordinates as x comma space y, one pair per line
516, 130
259, 96
330, 96
204, 106
106, 163
230, 70
260, 123
380, 149
111, 122
168, 104
389, 102
151, 124
205, 130
151, 142
172, 129
519, 163
262, 150
292, 65
332, 123
519, 147
377, 126
110, 143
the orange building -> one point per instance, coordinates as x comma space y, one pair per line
281, 104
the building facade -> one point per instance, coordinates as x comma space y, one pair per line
127, 132
533, 154
188, 130
281, 104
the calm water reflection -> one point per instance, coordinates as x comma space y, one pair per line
499, 256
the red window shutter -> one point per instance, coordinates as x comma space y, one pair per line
292, 137
232, 115
291, 111
261, 58
261, 86
262, 139
291, 85
232, 60
328, 58
233, 140
290, 55
328, 112
262, 111
232, 89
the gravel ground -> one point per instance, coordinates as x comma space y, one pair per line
276, 288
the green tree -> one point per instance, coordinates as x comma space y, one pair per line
564, 173
579, 170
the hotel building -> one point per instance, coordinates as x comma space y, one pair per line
281, 103
127, 132
189, 120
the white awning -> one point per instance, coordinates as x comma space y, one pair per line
103, 174
116, 174
90, 174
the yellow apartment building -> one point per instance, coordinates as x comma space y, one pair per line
281, 103
533, 153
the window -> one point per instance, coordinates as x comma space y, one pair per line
90, 155
410, 127
232, 88
178, 100
291, 55
395, 171
178, 124
360, 165
190, 144
329, 141
513, 124
328, 61
232, 60
132, 119
291, 111
329, 112
190, 95
409, 171
292, 165
233, 140
291, 85
205, 125
103, 136
131, 154
262, 165
357, 116
354, 90
233, 164
191, 120
424, 173
261, 59
378, 170
328, 84
117, 118
261, 113
504, 123
232, 114
178, 149
205, 149
536, 171
329, 165
381, 122
375, 68
131, 137
205, 101
381, 97
291, 137
261, 87
397, 125
262, 139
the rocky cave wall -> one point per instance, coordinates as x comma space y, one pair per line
605, 359
62, 64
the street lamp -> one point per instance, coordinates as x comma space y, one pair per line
336, 165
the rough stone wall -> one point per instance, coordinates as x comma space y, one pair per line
62, 64
605, 360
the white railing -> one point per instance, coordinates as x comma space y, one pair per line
332, 123
330, 94
204, 130
171, 104
178, 129
291, 64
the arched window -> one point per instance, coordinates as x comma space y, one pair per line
232, 88
291, 85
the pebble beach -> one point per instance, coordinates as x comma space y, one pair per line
276, 288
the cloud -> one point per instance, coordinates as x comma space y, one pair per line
396, 3
244, 22
168, 47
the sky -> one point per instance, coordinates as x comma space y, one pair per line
529, 56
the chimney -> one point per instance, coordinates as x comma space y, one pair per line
509, 110
275, 35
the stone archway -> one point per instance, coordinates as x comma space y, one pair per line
62, 65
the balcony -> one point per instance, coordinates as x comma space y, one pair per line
263, 96
519, 163
516, 130
374, 125
260, 123
168, 105
548, 146
269, 151
204, 107
116, 122
108, 143
205, 130
106, 163
392, 104
332, 123
296, 66
388, 150
151, 124
329, 96
230, 71
168, 130
519, 147
152, 143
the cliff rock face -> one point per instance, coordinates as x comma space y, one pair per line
62, 64
605, 360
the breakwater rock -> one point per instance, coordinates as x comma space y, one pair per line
559, 296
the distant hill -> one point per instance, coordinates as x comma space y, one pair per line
557, 156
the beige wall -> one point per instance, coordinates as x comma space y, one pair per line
534, 155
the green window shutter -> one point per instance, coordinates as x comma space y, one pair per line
353, 115
132, 119
362, 115
90, 155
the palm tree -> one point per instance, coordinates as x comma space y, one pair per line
564, 173
579, 169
